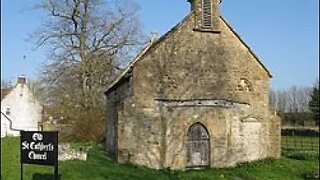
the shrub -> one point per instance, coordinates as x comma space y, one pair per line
300, 155
300, 132
311, 174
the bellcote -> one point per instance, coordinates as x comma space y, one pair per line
206, 14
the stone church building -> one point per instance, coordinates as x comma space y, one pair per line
195, 97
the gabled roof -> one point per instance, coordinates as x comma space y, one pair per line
117, 80
151, 45
5, 92
247, 46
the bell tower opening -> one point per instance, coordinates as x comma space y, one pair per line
206, 15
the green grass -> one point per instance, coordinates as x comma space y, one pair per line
100, 167
300, 143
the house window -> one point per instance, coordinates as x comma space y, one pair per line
206, 14
8, 111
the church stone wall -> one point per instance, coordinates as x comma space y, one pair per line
191, 67
234, 138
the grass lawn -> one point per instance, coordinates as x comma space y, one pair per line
302, 143
99, 166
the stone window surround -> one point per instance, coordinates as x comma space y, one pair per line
244, 85
8, 111
206, 14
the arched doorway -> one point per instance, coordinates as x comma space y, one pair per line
198, 146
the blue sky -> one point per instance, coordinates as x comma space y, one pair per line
283, 33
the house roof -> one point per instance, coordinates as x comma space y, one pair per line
5, 92
117, 80
247, 46
149, 46
152, 44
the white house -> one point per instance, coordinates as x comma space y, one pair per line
19, 109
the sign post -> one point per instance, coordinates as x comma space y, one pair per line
39, 147
21, 170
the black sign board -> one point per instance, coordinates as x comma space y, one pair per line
39, 147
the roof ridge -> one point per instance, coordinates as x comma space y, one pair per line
247, 46
152, 44
130, 65
149, 46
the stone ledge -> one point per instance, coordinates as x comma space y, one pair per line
199, 103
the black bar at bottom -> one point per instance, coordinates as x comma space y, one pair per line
56, 172
21, 170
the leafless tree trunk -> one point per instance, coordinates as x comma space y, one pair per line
5, 83
272, 98
298, 98
87, 42
281, 101
294, 99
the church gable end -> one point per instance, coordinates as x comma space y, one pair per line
235, 42
182, 101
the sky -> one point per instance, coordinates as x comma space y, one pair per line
283, 33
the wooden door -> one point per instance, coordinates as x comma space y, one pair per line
198, 146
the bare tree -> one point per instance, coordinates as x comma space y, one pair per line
304, 98
298, 98
87, 41
294, 99
281, 101
272, 99
5, 83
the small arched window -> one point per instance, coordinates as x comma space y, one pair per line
206, 13
8, 111
244, 85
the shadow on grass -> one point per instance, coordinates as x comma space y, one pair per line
38, 176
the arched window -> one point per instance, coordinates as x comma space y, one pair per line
198, 146
206, 13
8, 112
244, 85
